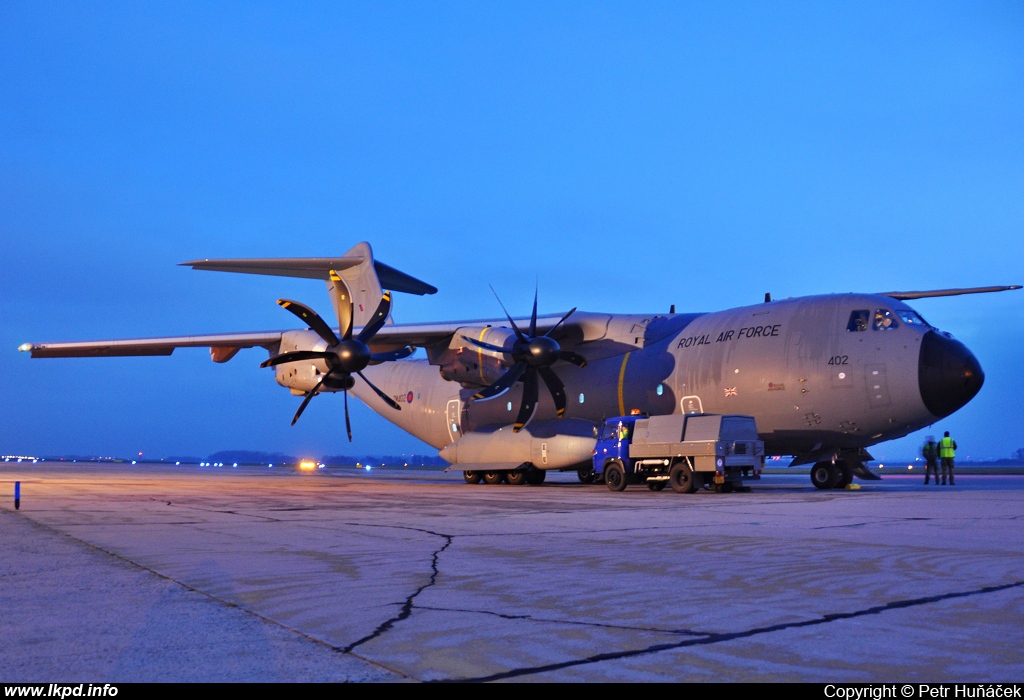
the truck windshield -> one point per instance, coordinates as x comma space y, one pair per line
608, 432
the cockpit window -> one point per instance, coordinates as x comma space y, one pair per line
912, 318
885, 320
858, 321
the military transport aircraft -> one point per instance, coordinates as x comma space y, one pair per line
825, 376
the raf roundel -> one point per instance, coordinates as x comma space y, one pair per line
408, 397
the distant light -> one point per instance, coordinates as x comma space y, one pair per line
133, 461
177, 463
581, 398
269, 466
307, 464
881, 466
661, 389
368, 467
910, 467
235, 464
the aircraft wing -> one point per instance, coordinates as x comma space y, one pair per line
903, 296
152, 346
223, 346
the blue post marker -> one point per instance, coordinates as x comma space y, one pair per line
17, 495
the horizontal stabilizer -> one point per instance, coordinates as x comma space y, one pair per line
946, 292
314, 268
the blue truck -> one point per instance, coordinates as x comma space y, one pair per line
686, 452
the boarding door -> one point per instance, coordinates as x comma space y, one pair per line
454, 419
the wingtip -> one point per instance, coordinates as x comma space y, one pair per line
25, 347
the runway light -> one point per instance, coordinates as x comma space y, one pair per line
910, 467
307, 464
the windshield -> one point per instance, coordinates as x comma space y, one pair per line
885, 320
912, 318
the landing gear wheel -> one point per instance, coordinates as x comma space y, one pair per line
586, 474
614, 476
472, 477
682, 479
825, 475
845, 475
493, 478
656, 485
535, 477
516, 478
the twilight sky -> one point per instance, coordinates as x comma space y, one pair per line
626, 155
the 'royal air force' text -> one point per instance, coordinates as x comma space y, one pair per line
725, 336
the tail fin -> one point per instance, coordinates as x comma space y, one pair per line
361, 275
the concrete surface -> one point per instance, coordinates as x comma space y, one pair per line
181, 573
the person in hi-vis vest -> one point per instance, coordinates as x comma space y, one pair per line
947, 451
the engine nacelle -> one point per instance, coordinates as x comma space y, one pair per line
301, 377
470, 365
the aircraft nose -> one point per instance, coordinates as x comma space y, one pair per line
948, 373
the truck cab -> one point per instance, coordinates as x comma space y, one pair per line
686, 452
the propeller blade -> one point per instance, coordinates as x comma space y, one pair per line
295, 356
573, 357
309, 396
378, 357
571, 312
311, 318
486, 346
376, 322
519, 333
533, 316
343, 304
556, 388
529, 404
384, 397
348, 425
504, 382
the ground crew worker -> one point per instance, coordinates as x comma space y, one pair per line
930, 452
947, 451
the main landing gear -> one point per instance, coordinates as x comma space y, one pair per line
516, 477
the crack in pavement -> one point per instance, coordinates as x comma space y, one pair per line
729, 636
211, 596
407, 606
532, 618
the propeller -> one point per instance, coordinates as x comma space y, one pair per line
345, 356
532, 355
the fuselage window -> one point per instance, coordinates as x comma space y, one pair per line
858, 321
912, 318
885, 320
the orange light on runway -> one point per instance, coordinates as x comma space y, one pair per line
307, 465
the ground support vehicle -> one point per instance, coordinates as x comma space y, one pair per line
686, 452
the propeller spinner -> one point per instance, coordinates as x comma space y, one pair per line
345, 356
532, 355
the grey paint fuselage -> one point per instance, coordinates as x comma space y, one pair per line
792, 364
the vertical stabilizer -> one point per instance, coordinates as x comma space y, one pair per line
361, 282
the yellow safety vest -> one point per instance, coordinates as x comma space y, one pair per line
946, 450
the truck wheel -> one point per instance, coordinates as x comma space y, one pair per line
824, 475
656, 485
682, 479
516, 478
493, 478
535, 477
472, 477
615, 476
586, 474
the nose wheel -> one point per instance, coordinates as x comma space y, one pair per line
826, 475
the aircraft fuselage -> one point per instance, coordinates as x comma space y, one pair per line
824, 372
